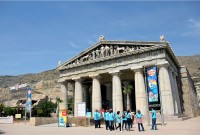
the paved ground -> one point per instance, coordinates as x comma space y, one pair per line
188, 127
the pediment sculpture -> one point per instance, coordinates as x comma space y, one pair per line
104, 51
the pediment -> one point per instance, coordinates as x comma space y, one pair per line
104, 50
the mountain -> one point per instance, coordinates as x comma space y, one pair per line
193, 65
44, 83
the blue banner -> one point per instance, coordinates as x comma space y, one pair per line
152, 85
29, 99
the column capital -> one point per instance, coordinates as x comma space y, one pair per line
163, 64
137, 69
95, 76
64, 82
116, 72
77, 79
171, 69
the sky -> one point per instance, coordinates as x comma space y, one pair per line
36, 35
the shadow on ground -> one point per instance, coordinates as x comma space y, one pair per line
1, 132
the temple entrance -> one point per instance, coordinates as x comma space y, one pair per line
129, 98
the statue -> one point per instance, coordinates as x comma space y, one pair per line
107, 50
85, 58
93, 54
102, 51
127, 49
59, 63
101, 38
97, 53
120, 49
115, 50
111, 50
162, 38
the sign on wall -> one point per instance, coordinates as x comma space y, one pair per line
18, 86
62, 118
152, 84
18, 116
81, 109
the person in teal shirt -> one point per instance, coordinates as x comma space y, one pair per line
128, 116
154, 117
118, 121
124, 120
106, 117
111, 120
96, 118
139, 116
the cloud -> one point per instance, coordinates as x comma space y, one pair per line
194, 23
72, 44
193, 28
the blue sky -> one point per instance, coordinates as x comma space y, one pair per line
34, 36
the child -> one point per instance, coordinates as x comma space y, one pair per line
118, 121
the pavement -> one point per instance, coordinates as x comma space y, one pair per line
187, 127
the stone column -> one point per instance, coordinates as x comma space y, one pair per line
171, 70
165, 89
177, 93
117, 92
96, 93
140, 92
78, 95
63, 96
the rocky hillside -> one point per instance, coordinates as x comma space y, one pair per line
6, 81
193, 65
44, 83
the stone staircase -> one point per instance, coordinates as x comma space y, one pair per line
176, 117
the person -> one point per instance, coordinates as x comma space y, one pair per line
106, 118
132, 118
154, 117
124, 120
96, 119
68, 125
111, 120
128, 116
103, 111
115, 119
139, 116
118, 121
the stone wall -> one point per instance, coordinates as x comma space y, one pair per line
190, 103
7, 120
35, 121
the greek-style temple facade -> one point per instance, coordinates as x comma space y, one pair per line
100, 73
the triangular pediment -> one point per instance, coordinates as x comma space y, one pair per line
104, 50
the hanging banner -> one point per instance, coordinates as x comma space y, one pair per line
152, 84
28, 99
62, 118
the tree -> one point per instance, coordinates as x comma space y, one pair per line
58, 101
8, 111
1, 108
127, 89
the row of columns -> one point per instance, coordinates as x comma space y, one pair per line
167, 85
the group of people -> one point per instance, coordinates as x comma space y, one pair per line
116, 120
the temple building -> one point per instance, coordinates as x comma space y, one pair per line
101, 75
